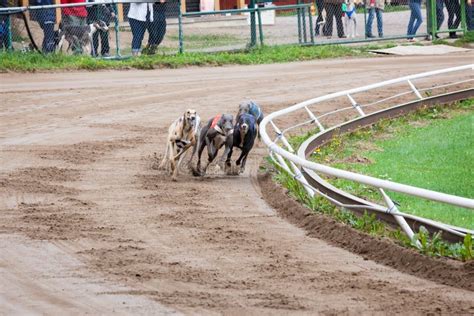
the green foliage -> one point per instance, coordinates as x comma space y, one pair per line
435, 246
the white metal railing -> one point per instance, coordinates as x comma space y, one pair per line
285, 156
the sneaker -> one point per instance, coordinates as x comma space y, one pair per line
412, 40
369, 36
453, 35
106, 55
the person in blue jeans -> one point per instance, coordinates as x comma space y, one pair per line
157, 29
3, 27
469, 15
415, 19
140, 16
374, 7
46, 19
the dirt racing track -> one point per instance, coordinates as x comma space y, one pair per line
89, 225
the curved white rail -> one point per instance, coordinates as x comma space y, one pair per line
291, 162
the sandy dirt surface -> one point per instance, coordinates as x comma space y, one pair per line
89, 225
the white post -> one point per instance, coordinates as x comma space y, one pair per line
400, 219
356, 105
315, 119
412, 86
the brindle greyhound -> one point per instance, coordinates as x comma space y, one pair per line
216, 133
245, 132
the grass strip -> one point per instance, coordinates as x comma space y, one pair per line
31, 62
432, 149
439, 139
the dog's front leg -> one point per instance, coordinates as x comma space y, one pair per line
229, 142
174, 170
242, 159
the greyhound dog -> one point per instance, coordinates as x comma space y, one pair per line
350, 19
183, 134
245, 132
252, 108
216, 133
79, 35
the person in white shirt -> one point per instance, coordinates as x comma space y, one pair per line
140, 17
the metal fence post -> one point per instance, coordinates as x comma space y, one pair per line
260, 27
180, 28
298, 13
253, 28
432, 18
311, 30
365, 21
463, 17
303, 24
9, 31
117, 30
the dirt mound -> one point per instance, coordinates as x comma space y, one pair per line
381, 250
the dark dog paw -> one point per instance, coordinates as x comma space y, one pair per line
196, 172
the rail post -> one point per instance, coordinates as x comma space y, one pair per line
253, 28
180, 28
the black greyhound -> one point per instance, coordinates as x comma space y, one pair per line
215, 134
252, 108
245, 132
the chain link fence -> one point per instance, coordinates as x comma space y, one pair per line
111, 29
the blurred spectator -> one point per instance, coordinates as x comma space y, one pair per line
454, 15
46, 19
320, 19
333, 9
158, 27
415, 19
74, 16
3, 27
100, 12
140, 17
469, 15
374, 7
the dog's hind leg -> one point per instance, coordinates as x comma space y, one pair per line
164, 161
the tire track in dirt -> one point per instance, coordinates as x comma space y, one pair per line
208, 245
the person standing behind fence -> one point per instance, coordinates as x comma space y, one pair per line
469, 15
320, 20
415, 19
333, 9
3, 27
140, 17
374, 7
46, 19
157, 29
454, 15
100, 12
74, 16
